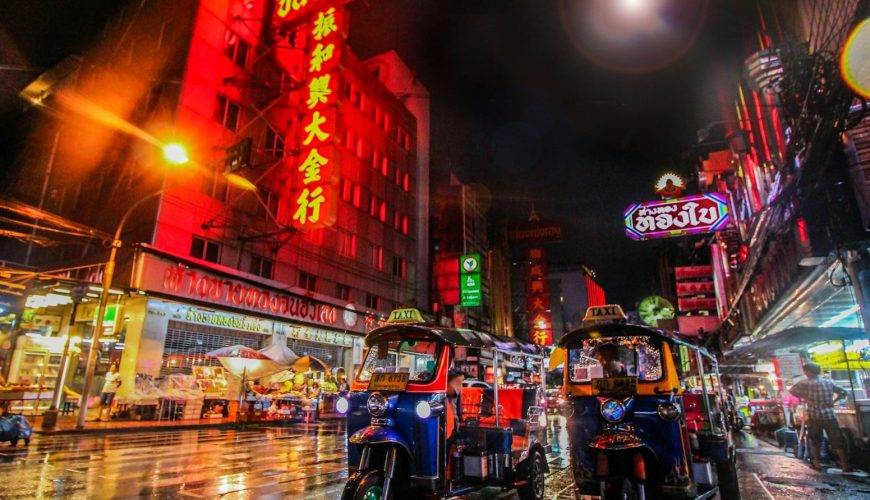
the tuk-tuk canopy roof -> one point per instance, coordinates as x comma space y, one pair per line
456, 337
604, 330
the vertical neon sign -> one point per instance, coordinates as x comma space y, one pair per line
313, 200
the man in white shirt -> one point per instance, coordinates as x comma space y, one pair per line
110, 387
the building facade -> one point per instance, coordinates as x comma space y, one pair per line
274, 109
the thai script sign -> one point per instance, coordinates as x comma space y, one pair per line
165, 276
536, 232
703, 213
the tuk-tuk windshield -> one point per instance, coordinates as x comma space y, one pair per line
607, 357
416, 357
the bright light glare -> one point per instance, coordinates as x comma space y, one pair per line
175, 153
240, 182
631, 5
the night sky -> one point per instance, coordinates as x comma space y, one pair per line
527, 98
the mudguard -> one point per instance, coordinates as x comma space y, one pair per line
375, 434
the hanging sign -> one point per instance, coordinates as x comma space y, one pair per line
469, 280
703, 213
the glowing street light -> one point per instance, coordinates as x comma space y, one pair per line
175, 153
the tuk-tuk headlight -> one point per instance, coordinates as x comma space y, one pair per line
342, 405
669, 411
612, 410
377, 404
423, 409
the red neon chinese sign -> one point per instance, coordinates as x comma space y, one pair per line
313, 201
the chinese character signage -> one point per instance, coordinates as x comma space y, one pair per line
538, 298
469, 280
703, 213
313, 201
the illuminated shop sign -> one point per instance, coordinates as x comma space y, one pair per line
165, 276
313, 201
703, 213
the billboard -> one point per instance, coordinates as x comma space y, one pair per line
695, 214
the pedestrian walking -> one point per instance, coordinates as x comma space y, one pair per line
821, 395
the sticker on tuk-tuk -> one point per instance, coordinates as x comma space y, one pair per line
614, 385
389, 381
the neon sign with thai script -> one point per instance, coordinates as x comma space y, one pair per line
703, 213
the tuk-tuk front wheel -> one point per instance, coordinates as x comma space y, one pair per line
534, 473
366, 485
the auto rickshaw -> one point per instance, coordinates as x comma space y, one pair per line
396, 413
634, 430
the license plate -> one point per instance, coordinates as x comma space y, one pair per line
388, 381
614, 385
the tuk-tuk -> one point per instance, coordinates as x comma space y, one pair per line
397, 411
634, 429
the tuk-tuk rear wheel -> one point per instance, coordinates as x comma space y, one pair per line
534, 472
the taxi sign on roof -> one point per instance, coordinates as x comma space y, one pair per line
405, 316
604, 314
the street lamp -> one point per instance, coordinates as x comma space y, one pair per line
108, 275
175, 153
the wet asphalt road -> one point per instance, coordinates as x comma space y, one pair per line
301, 461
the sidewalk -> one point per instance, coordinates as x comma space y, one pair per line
766, 471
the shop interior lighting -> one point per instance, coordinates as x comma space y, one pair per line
47, 300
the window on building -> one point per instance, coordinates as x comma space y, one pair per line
343, 292
378, 257
406, 182
376, 159
215, 185
204, 249
227, 113
273, 143
261, 266
362, 149
349, 141
397, 220
347, 244
400, 267
407, 143
398, 177
405, 225
314, 236
307, 281
388, 123
372, 301
357, 196
379, 116
373, 206
237, 49
382, 212
385, 166
270, 199
346, 190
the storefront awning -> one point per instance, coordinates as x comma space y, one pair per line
792, 338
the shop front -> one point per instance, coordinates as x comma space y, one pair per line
185, 312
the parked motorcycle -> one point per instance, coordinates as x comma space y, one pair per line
14, 428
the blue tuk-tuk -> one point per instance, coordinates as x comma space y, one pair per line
644, 413
396, 413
